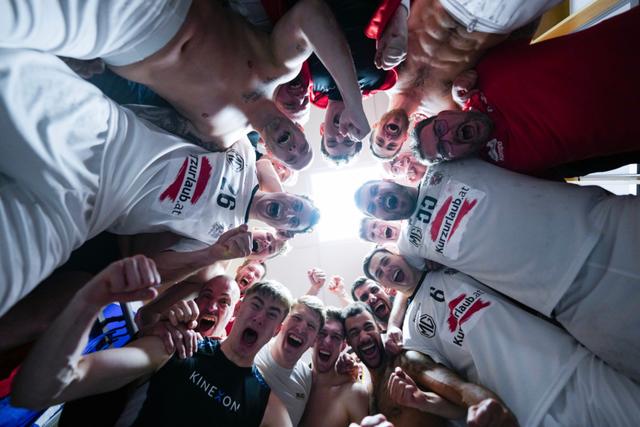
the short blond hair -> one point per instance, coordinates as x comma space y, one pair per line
272, 289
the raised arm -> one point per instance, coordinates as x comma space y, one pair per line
276, 414
177, 266
317, 279
393, 344
311, 27
267, 176
152, 312
56, 370
336, 285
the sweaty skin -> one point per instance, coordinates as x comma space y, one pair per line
349, 403
439, 49
400, 416
221, 73
214, 52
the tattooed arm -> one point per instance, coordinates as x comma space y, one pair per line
171, 121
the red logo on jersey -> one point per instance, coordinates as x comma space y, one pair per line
189, 184
463, 307
449, 217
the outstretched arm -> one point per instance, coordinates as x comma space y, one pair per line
276, 414
267, 176
56, 370
317, 279
393, 344
177, 266
311, 27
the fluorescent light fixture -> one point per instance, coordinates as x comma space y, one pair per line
333, 193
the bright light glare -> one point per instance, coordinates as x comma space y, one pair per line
333, 192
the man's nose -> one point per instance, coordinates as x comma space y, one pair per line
258, 318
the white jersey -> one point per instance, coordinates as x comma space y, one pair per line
525, 237
468, 328
490, 16
292, 386
191, 192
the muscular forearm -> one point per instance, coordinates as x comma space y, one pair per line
267, 177
150, 313
322, 32
313, 290
171, 121
52, 364
450, 386
177, 266
345, 299
396, 317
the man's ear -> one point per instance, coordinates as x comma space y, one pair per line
322, 129
285, 234
278, 329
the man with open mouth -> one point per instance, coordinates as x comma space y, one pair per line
375, 296
502, 121
336, 400
217, 385
378, 231
128, 176
364, 336
540, 242
386, 200
186, 53
480, 334
249, 272
279, 361
405, 169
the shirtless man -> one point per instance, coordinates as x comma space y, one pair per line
214, 68
364, 337
349, 400
439, 49
65, 374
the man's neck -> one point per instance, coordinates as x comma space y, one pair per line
404, 101
280, 358
329, 378
242, 360
377, 374
261, 113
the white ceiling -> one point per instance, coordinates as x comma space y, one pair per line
342, 257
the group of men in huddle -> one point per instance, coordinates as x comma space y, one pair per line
500, 277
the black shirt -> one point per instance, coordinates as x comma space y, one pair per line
206, 389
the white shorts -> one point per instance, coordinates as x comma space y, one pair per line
600, 309
119, 31
597, 396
